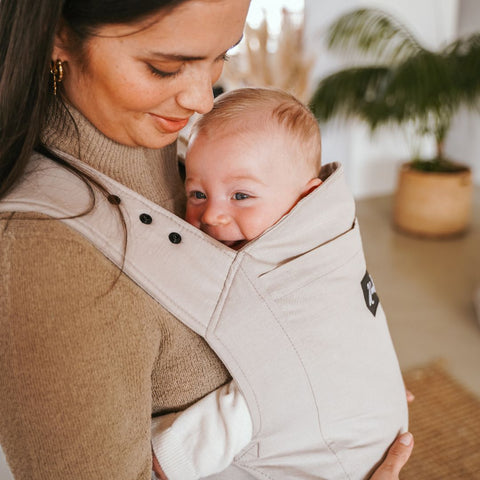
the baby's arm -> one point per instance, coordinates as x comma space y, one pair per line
204, 438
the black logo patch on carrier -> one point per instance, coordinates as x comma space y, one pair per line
369, 293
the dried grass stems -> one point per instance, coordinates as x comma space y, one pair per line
270, 61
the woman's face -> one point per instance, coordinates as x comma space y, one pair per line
140, 86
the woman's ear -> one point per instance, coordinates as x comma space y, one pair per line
310, 186
61, 43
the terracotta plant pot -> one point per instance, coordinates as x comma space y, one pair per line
433, 204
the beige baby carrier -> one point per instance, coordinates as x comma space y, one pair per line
293, 315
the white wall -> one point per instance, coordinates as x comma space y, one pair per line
463, 142
371, 162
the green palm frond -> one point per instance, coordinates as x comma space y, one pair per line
370, 31
464, 55
408, 83
380, 95
360, 87
421, 85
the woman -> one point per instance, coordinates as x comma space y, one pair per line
87, 355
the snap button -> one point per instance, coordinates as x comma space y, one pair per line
114, 199
175, 237
145, 218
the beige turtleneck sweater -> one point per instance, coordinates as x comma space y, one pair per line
86, 360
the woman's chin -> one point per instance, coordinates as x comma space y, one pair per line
158, 141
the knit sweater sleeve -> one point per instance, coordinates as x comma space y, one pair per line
205, 438
76, 351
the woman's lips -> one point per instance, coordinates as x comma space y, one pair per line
168, 124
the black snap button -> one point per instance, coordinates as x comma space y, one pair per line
175, 237
114, 199
145, 218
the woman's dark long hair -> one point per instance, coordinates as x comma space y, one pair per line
27, 34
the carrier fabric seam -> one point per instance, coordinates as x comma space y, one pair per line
324, 274
237, 266
333, 269
304, 370
136, 274
234, 267
116, 186
254, 470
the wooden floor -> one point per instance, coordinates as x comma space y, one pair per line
426, 288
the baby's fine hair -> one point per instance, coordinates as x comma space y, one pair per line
233, 108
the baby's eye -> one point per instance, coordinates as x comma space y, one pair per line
197, 195
241, 196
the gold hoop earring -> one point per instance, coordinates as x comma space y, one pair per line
56, 69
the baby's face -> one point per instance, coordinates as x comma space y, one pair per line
238, 185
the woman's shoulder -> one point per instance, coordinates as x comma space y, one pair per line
42, 253
19, 229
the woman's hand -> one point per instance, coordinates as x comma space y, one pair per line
410, 396
397, 457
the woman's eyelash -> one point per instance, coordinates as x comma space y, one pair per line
162, 74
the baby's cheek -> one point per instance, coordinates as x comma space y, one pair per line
254, 224
192, 215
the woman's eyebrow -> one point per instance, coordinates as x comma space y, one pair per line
187, 58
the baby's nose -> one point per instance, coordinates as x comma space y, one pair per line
214, 217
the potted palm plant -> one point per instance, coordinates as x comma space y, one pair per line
404, 83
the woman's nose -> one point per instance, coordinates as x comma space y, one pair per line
197, 96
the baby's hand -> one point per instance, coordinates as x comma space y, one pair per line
157, 468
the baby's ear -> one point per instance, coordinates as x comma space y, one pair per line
310, 186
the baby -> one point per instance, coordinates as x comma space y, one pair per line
245, 171
249, 162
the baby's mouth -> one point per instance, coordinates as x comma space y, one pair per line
234, 244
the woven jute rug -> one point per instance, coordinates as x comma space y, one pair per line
445, 422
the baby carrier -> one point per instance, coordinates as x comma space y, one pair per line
293, 315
